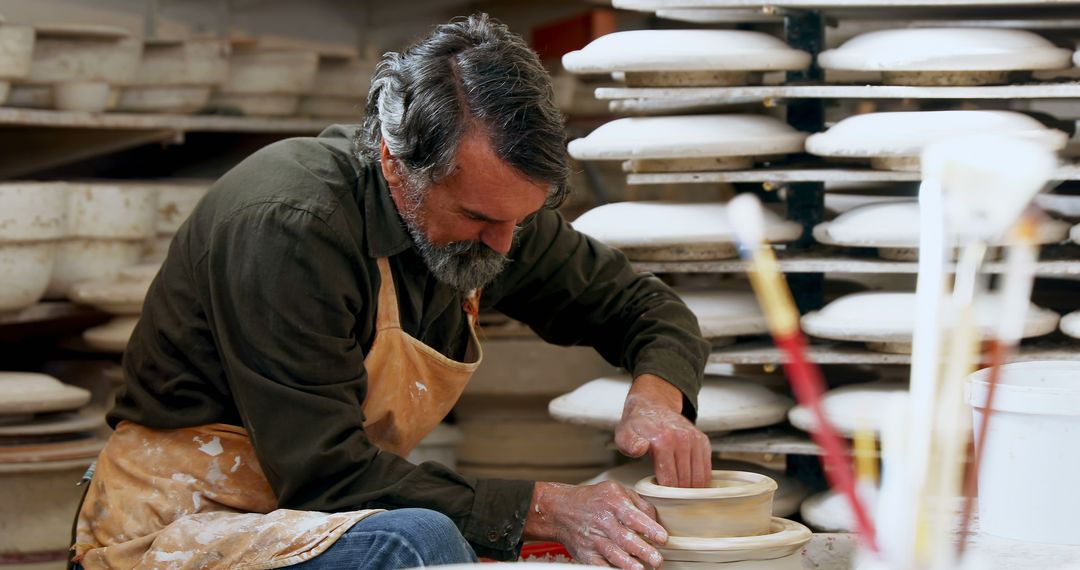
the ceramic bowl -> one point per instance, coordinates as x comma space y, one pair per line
87, 259
264, 71
668, 58
182, 63
164, 99
26, 269
111, 210
895, 140
32, 211
80, 53
945, 56
29, 96
672, 231
724, 404
16, 50
689, 142
736, 503
886, 321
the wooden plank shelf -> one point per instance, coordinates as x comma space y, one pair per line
780, 175
10, 116
719, 95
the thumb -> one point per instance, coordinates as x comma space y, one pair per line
630, 443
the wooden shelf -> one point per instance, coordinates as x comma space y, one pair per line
10, 116
1056, 261
742, 94
779, 175
824, 352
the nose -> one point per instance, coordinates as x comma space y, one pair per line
498, 237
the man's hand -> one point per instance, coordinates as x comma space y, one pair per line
600, 525
653, 423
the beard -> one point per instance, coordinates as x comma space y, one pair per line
463, 265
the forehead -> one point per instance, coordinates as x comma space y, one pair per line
485, 183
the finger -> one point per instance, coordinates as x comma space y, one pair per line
664, 461
629, 442
616, 556
642, 505
642, 523
630, 542
702, 461
592, 559
684, 457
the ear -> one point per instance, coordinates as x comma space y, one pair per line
389, 166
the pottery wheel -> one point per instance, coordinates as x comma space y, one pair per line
787, 537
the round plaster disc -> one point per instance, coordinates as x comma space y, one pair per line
850, 408
56, 423
31, 393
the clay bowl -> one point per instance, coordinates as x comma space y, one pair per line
111, 337
736, 504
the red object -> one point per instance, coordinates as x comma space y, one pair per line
541, 551
553, 40
808, 386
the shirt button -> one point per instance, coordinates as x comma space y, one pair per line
493, 535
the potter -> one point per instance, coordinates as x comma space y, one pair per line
314, 319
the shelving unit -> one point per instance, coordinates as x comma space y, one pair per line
1048, 90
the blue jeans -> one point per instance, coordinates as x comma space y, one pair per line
403, 538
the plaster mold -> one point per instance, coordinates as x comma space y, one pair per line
84, 259
945, 56
33, 211
689, 142
123, 295
256, 70
27, 269
107, 210
667, 58
16, 51
886, 321
112, 336
725, 313
851, 408
671, 231
723, 404
30, 393
894, 140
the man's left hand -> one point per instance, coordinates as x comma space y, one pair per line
652, 422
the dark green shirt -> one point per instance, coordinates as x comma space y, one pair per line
265, 307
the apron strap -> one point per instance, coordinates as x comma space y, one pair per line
386, 312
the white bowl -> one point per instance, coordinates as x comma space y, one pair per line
164, 99
66, 53
685, 50
724, 404
1064, 205
777, 550
16, 50
673, 231
851, 408
887, 320
84, 96
26, 269
256, 105
87, 259
32, 211
904, 135
193, 62
255, 70
945, 49
112, 210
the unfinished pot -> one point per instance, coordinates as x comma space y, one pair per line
256, 105
164, 99
689, 142
112, 336
16, 51
74, 52
31, 393
886, 321
736, 503
82, 259
256, 70
724, 404
670, 58
893, 228
108, 210
32, 211
27, 269
123, 295
946, 56
192, 62
40, 501
894, 141
671, 231
851, 408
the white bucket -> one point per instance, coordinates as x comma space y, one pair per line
1027, 480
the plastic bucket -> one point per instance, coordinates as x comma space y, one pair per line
1028, 476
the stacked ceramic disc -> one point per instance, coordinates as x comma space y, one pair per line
724, 314
75, 66
266, 79
33, 223
175, 76
726, 525
340, 87
16, 49
46, 445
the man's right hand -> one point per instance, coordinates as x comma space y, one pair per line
602, 525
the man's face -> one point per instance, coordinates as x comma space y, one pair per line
465, 225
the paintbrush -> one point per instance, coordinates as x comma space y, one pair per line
774, 296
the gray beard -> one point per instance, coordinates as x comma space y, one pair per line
462, 265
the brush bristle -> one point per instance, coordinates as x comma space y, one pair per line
747, 220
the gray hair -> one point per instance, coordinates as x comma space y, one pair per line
472, 72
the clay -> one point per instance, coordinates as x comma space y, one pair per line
32, 211
27, 269
736, 504
850, 408
27, 392
685, 50
688, 136
723, 404
112, 336
86, 259
785, 539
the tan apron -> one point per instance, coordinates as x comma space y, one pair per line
197, 498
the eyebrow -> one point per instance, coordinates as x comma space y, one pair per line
482, 217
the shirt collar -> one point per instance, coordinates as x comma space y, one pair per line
385, 231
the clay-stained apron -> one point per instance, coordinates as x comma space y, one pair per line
197, 498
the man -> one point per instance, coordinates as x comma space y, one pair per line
314, 319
